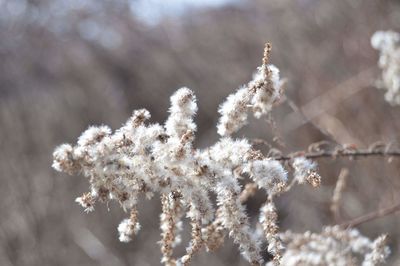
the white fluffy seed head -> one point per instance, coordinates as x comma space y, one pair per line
138, 117
233, 112
267, 174
182, 110
333, 246
258, 95
265, 97
275, 77
230, 152
382, 40
379, 252
388, 44
93, 134
63, 158
127, 229
183, 100
302, 169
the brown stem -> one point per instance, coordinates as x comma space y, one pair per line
337, 194
339, 153
372, 215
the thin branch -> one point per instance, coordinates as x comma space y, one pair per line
372, 215
337, 194
353, 153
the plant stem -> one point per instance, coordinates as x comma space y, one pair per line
339, 153
372, 215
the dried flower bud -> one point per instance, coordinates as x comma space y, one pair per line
86, 201
306, 170
139, 117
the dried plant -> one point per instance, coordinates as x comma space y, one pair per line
333, 246
147, 159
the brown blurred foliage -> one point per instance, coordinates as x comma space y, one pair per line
63, 68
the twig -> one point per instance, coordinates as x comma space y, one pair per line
372, 215
339, 153
337, 194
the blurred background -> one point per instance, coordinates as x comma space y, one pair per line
65, 65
